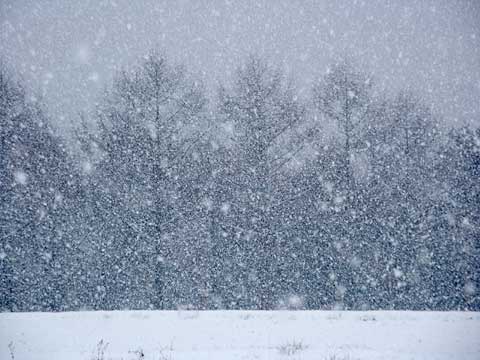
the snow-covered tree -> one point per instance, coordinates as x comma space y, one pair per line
33, 187
149, 122
257, 111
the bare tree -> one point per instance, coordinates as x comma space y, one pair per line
150, 120
259, 109
344, 96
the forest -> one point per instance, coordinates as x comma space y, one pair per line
254, 196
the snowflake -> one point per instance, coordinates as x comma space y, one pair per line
225, 208
20, 177
397, 272
470, 288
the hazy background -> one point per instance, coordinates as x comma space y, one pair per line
69, 50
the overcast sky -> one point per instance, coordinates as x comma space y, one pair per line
68, 50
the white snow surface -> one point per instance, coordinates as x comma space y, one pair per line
181, 335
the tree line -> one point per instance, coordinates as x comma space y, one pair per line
255, 198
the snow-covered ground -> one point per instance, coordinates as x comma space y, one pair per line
182, 335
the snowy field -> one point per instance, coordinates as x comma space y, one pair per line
182, 335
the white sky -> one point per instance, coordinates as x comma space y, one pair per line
69, 50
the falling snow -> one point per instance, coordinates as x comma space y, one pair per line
257, 155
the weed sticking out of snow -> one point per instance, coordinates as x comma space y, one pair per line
139, 354
368, 318
165, 354
11, 349
338, 357
246, 316
99, 352
291, 348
